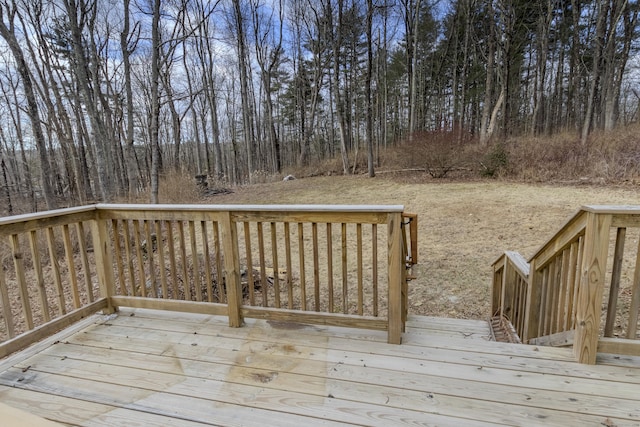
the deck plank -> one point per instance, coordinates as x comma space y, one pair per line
519, 358
157, 368
280, 356
72, 411
349, 382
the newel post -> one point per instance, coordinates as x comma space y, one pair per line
229, 231
532, 307
103, 261
589, 304
395, 277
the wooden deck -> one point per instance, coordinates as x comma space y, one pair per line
153, 368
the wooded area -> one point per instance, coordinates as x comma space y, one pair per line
99, 99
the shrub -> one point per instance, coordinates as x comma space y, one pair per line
437, 152
494, 161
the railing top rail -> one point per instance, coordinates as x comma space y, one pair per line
613, 209
576, 223
517, 260
572, 227
257, 208
45, 214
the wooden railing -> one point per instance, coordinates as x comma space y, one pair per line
335, 265
565, 283
510, 300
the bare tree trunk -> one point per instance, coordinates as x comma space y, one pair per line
125, 42
8, 34
485, 135
413, 83
616, 59
155, 102
338, 98
247, 110
411, 12
268, 53
17, 120
601, 23
7, 192
543, 46
77, 17
367, 89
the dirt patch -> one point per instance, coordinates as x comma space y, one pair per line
463, 226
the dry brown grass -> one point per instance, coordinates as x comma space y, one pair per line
463, 226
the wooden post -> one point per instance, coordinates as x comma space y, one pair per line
396, 265
229, 233
103, 262
5, 305
589, 304
497, 284
508, 289
614, 289
635, 299
532, 308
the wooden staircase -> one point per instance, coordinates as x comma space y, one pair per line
557, 297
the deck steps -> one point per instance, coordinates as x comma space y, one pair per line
503, 331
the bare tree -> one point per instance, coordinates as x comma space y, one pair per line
8, 32
367, 89
128, 41
268, 45
247, 104
155, 101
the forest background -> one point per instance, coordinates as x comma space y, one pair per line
103, 100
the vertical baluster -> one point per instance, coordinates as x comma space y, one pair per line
129, 257
523, 304
331, 303
544, 297
153, 280
263, 274
316, 272
576, 291
219, 270
37, 266
287, 248
345, 289
556, 294
207, 261
374, 266
250, 283
360, 271
161, 259
118, 255
632, 327
142, 281
183, 255
571, 281
173, 269
71, 269
303, 279
55, 271
5, 303
274, 260
562, 304
82, 245
197, 281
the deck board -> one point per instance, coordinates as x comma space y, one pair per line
156, 368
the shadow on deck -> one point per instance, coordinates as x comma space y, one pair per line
156, 368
